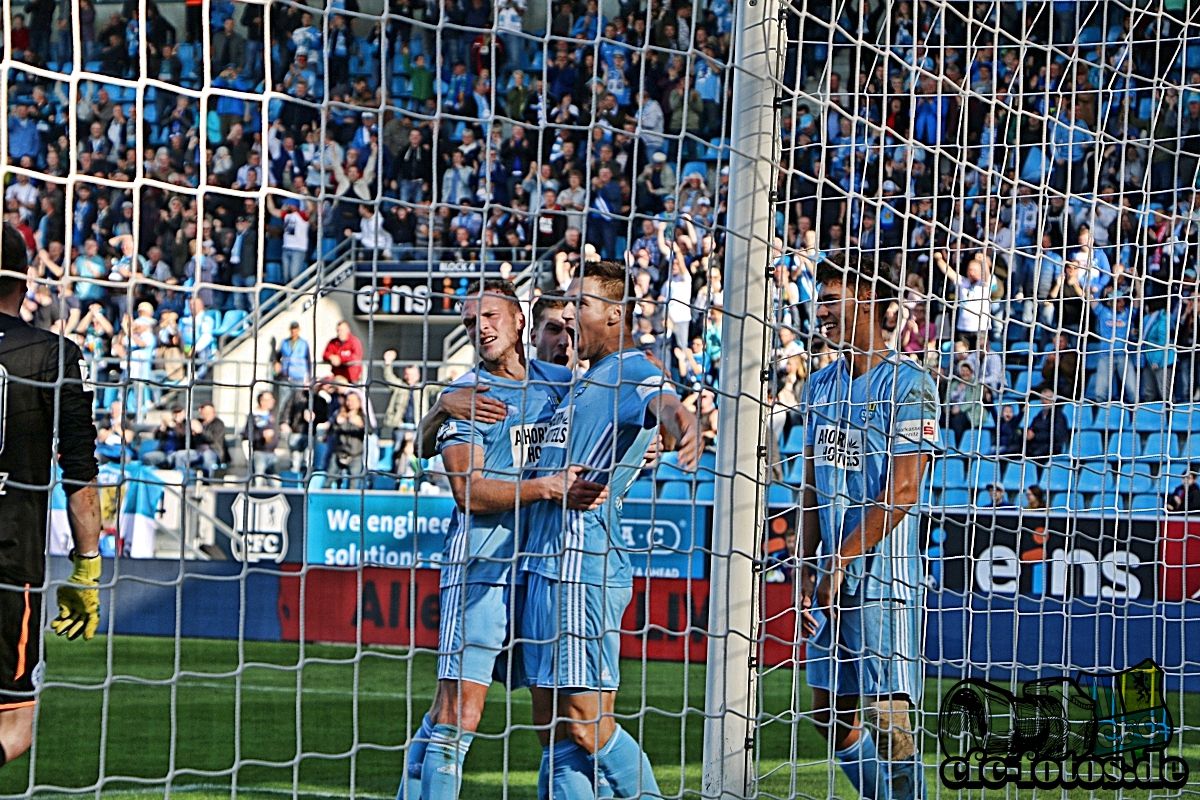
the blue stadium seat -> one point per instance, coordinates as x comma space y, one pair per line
960, 498
1123, 445
1137, 483
794, 444
949, 472
982, 471
1150, 418
229, 321
1019, 475
1177, 469
1076, 501
1092, 481
675, 490
1147, 502
1060, 478
1192, 451
641, 490
1111, 418
1185, 419
693, 168
387, 453
794, 472
669, 471
780, 495
1160, 447
1087, 444
705, 493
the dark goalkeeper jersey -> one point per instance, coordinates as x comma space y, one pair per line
34, 385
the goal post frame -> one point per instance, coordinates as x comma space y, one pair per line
730, 692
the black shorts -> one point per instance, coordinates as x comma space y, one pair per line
20, 646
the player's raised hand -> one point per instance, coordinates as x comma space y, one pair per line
583, 495
472, 403
79, 600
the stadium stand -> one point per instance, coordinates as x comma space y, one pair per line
1056, 297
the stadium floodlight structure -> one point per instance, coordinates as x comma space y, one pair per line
738, 519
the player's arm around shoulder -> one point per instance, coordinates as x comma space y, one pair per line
466, 402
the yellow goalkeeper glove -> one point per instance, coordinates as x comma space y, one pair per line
79, 600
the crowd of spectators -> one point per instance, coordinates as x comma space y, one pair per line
1034, 199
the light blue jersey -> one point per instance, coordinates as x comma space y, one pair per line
606, 426
481, 547
856, 428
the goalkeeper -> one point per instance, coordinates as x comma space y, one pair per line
489, 423
579, 580
871, 426
41, 398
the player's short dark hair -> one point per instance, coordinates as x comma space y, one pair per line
13, 258
613, 278
500, 286
547, 302
861, 274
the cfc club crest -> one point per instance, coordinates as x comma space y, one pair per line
261, 527
1092, 731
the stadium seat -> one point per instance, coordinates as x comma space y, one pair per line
387, 454
705, 493
1147, 502
641, 490
291, 480
670, 471
959, 498
383, 483
780, 495
1123, 445
693, 168
1185, 419
794, 444
1093, 481
1087, 445
1019, 475
1160, 447
1150, 418
983, 471
1137, 483
230, 321
1111, 418
949, 472
675, 490
1060, 478
1192, 451
1076, 501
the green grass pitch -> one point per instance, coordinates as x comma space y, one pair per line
351, 721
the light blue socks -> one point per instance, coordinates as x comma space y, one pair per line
860, 762
412, 764
441, 772
626, 767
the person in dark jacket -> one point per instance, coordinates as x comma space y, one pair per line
208, 443
1186, 497
1009, 432
349, 429
1049, 432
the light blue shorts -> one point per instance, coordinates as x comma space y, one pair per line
571, 634
878, 652
475, 635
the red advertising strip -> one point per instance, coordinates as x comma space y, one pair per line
667, 619
1180, 560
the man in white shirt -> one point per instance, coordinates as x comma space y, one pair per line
972, 292
371, 234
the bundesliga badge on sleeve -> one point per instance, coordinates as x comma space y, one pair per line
1094, 731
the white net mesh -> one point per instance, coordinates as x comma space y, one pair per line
208, 191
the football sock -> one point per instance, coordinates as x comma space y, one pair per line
412, 764
570, 773
441, 773
626, 767
860, 762
904, 782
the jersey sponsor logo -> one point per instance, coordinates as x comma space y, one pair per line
559, 428
839, 447
260, 528
916, 430
527, 442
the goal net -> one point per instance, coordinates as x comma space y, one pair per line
921, 278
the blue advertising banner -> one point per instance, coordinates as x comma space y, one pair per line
383, 529
378, 529
679, 533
